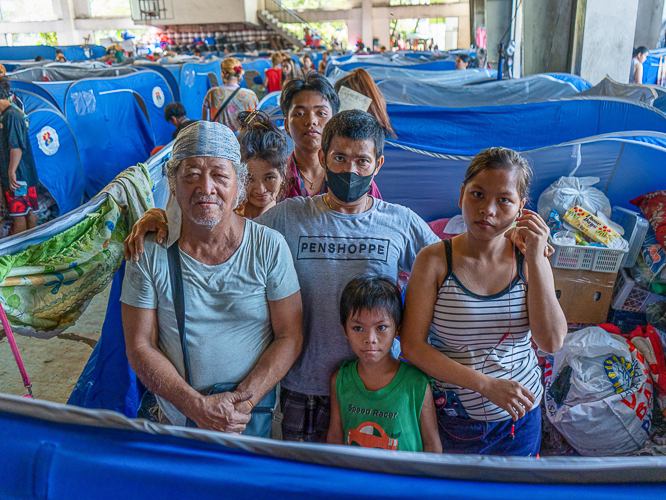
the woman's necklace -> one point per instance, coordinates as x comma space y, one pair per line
312, 183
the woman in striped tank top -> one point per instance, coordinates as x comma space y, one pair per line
470, 315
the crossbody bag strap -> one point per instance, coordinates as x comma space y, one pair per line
176, 278
226, 103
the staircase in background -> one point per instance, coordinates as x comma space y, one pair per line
273, 19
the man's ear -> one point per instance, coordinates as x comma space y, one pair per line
380, 162
286, 126
462, 191
322, 159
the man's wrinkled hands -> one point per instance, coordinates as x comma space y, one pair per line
218, 412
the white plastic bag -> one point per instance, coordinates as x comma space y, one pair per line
568, 192
599, 393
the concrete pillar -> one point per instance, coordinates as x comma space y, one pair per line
546, 38
498, 23
366, 23
648, 23
67, 34
381, 30
354, 27
517, 36
464, 36
607, 40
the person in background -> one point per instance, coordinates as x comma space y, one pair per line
114, 54
473, 305
636, 72
264, 149
273, 76
222, 104
360, 81
60, 57
324, 60
397, 394
462, 61
3, 70
306, 68
175, 114
288, 70
307, 38
307, 106
38, 58
197, 53
18, 172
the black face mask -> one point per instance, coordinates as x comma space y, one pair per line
348, 187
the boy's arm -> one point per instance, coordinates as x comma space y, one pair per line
428, 424
335, 435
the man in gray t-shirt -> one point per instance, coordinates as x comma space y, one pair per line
329, 249
243, 310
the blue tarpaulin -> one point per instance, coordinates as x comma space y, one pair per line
521, 127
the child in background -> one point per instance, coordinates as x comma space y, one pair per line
380, 402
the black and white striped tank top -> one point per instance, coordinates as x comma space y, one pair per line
466, 327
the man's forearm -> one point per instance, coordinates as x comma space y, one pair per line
161, 378
15, 155
271, 367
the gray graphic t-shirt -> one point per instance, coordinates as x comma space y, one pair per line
329, 249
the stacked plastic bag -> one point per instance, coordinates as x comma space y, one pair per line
579, 214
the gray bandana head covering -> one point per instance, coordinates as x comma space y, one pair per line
206, 139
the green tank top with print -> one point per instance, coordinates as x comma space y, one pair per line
388, 418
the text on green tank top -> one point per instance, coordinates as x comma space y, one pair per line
387, 418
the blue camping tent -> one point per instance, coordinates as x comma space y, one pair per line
56, 157
533, 88
112, 127
36, 89
154, 90
82, 52
33, 101
57, 89
427, 179
50, 450
195, 81
522, 126
27, 52
170, 77
428, 66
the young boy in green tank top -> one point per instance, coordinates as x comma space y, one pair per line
380, 402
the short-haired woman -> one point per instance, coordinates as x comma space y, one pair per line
639, 57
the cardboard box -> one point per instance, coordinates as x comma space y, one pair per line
585, 296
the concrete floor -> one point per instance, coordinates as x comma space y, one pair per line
54, 365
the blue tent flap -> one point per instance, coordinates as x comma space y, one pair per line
37, 90
57, 158
112, 128
194, 85
32, 101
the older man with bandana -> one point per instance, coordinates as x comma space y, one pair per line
214, 321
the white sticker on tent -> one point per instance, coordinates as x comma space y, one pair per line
47, 138
158, 97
